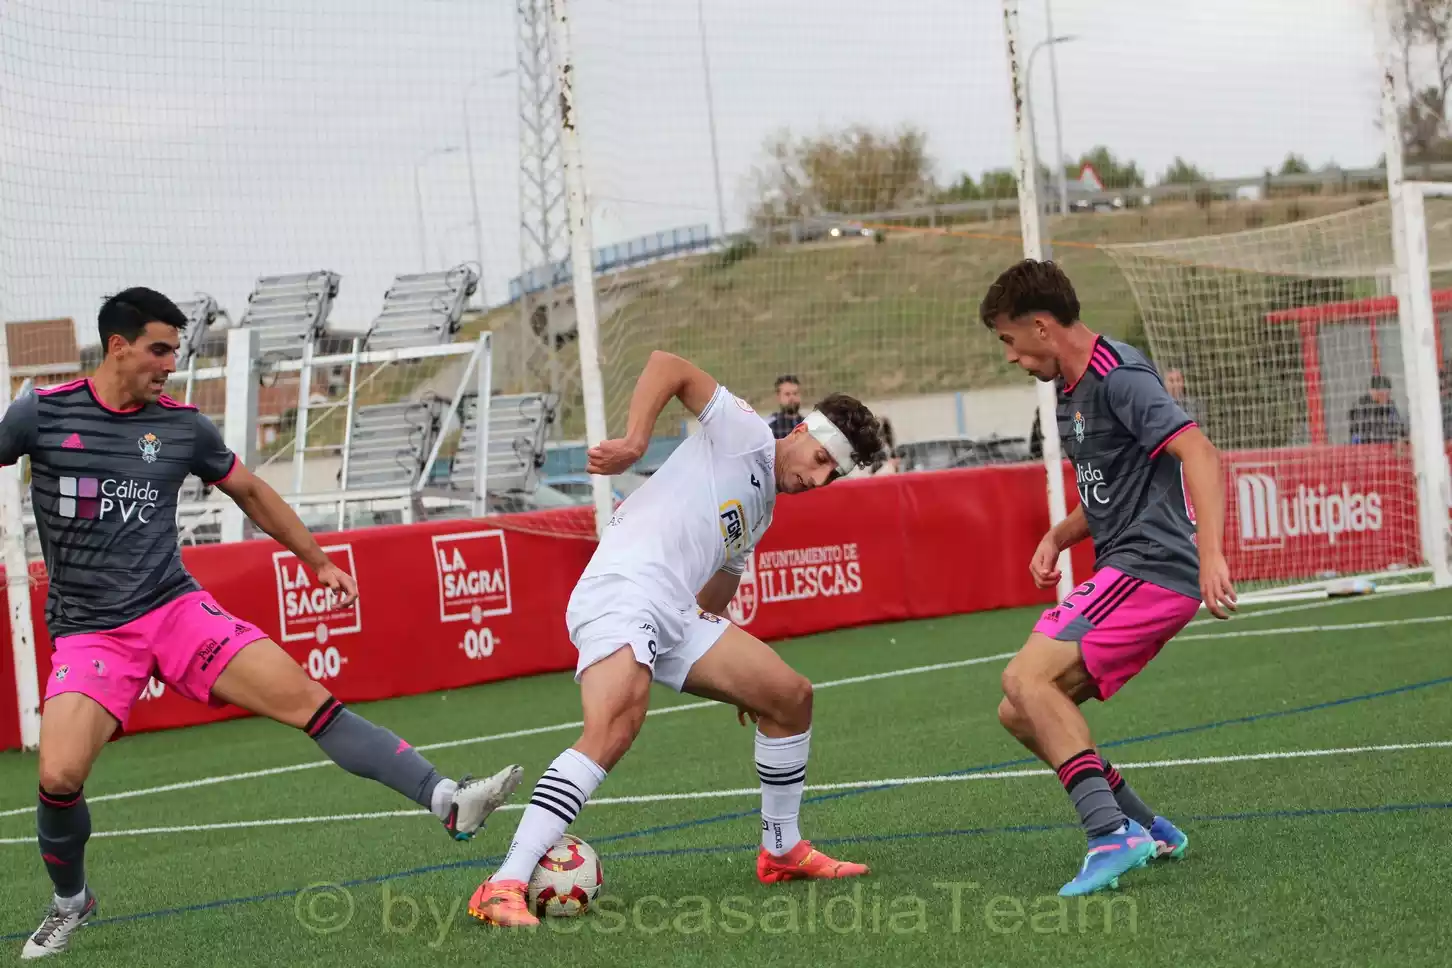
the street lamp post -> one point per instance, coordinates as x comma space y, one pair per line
1029, 99
423, 257
711, 118
1058, 123
473, 182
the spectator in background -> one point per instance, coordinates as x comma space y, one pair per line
1175, 384
788, 407
1375, 418
888, 458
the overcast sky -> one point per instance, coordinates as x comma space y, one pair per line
193, 145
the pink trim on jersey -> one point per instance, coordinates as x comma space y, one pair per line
167, 401
224, 477
1099, 352
61, 388
1166, 442
91, 385
1102, 360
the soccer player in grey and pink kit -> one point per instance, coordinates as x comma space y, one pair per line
108, 455
1152, 500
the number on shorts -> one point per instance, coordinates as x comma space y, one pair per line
1085, 589
211, 609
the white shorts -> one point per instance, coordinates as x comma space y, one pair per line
608, 613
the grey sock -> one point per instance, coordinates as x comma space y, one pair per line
1083, 777
1129, 801
62, 826
366, 750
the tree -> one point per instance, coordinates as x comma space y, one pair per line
1426, 24
847, 172
1112, 172
1181, 172
1294, 165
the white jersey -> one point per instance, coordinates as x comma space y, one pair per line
702, 511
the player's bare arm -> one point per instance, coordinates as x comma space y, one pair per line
719, 591
1205, 481
1062, 536
272, 514
666, 376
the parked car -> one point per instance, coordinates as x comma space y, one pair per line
943, 453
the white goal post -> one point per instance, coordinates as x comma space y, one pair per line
1311, 351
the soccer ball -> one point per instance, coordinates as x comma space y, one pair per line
566, 880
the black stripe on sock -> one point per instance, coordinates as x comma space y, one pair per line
779, 770
784, 780
324, 715
573, 795
541, 797
59, 800
537, 802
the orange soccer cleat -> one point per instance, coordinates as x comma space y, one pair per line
502, 903
803, 862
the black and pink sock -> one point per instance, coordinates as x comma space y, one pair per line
1083, 777
370, 751
1128, 800
63, 825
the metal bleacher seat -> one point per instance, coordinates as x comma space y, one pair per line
423, 308
202, 313
518, 424
390, 442
289, 310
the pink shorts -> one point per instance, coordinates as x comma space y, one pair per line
1120, 623
185, 643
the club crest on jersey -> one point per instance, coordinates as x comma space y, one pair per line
733, 527
150, 446
1079, 426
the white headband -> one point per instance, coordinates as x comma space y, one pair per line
826, 433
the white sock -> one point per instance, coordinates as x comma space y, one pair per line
558, 798
72, 905
443, 798
781, 765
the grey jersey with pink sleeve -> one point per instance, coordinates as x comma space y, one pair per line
1115, 423
104, 487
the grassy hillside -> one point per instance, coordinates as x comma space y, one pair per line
884, 318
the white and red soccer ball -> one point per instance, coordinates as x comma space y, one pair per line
566, 880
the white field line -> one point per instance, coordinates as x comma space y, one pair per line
1304, 629
513, 734
756, 791
1255, 613
577, 724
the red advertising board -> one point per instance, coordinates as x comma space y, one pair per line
455, 603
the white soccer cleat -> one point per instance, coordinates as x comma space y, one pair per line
475, 800
54, 933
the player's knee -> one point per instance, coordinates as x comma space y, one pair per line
792, 708
1018, 681
1009, 717
301, 704
62, 777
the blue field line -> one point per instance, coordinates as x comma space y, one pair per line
739, 814
1300, 814
1029, 760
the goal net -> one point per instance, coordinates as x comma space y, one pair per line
767, 214
1285, 344
340, 178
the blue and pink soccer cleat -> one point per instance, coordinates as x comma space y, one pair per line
1169, 840
1109, 857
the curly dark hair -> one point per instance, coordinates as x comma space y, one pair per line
862, 430
1031, 287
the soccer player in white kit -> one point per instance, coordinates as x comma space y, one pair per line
648, 608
